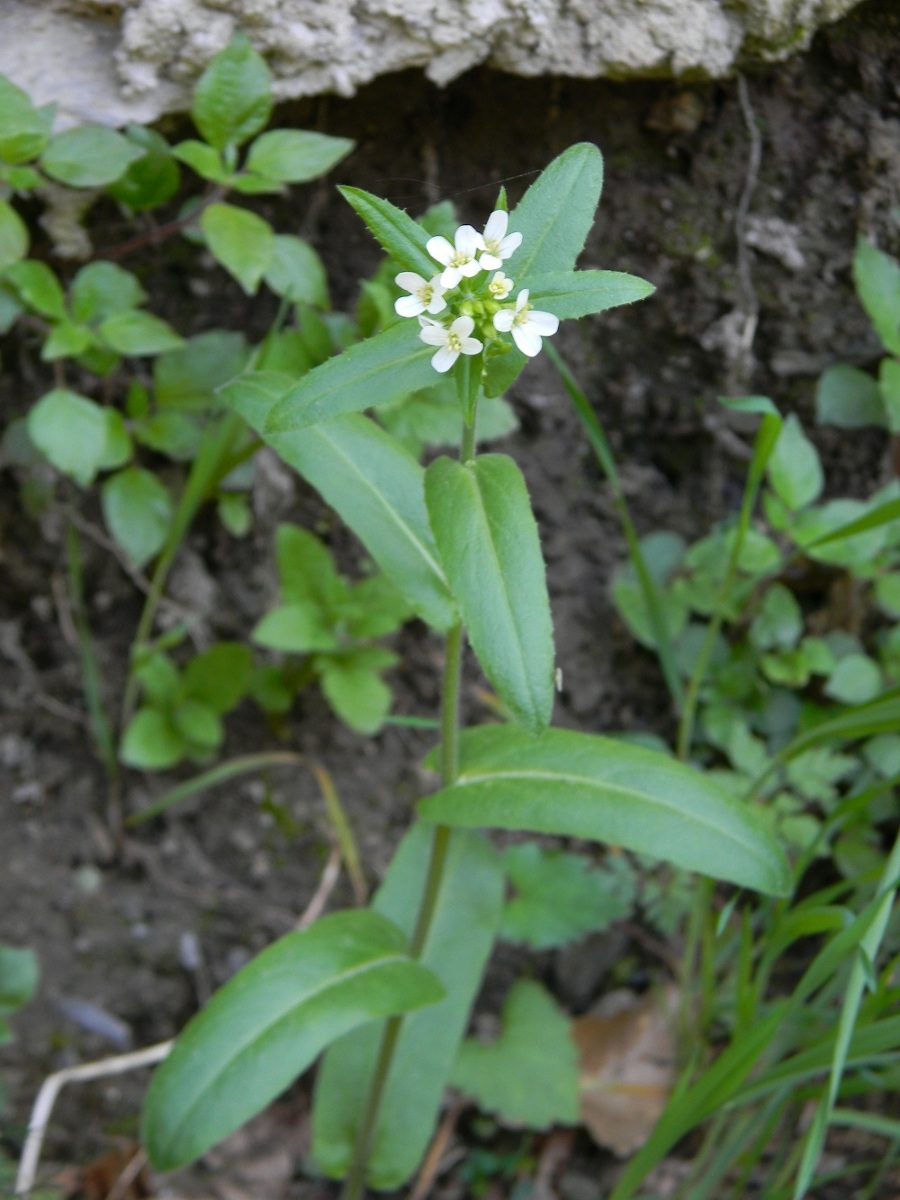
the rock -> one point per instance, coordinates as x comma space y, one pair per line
120, 60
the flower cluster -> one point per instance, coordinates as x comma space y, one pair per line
471, 299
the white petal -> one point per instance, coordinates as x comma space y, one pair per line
527, 340
408, 306
543, 323
469, 269
470, 345
409, 281
510, 244
490, 262
444, 359
450, 278
438, 303
522, 299
462, 326
468, 240
440, 248
433, 335
496, 226
503, 320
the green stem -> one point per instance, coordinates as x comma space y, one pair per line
354, 1185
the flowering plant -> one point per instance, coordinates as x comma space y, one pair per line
387, 991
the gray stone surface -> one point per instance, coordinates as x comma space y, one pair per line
119, 60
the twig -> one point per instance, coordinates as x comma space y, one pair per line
435, 1159
748, 302
50, 1089
330, 876
128, 1174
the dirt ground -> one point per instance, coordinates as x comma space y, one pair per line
144, 934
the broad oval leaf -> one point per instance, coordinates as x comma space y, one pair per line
392, 364
296, 155
582, 785
877, 278
233, 96
458, 944
396, 231
138, 333
13, 236
488, 541
270, 1021
89, 156
137, 509
572, 294
242, 242
371, 481
795, 469
556, 213
848, 397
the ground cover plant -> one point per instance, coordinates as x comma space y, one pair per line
430, 532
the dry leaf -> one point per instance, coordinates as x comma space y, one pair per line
627, 1064
101, 1176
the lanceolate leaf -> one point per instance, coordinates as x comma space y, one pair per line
488, 541
270, 1021
461, 936
385, 367
396, 231
556, 213
569, 294
580, 785
371, 482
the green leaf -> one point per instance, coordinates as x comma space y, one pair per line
386, 366
233, 96
270, 1021
889, 387
37, 286
556, 213
795, 471
150, 180
203, 159
73, 433
877, 279
199, 725
89, 156
13, 236
358, 696
307, 571
235, 513
295, 155
220, 676
845, 532
488, 541
18, 970
887, 593
139, 333
372, 483
849, 398
101, 289
404, 239
569, 294
242, 242
189, 378
456, 949
295, 628
529, 1074
581, 785
150, 742
137, 509
24, 129
559, 897
296, 271
158, 677
778, 625
856, 679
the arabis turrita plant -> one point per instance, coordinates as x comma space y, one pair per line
386, 992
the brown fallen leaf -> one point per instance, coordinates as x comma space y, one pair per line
119, 1172
627, 1062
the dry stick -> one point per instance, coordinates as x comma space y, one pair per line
129, 1173
435, 1159
330, 876
50, 1089
749, 302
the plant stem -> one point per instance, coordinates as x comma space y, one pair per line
354, 1185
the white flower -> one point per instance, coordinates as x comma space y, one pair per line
498, 245
426, 295
457, 258
527, 325
452, 342
500, 285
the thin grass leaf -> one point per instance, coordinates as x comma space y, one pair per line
221, 773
